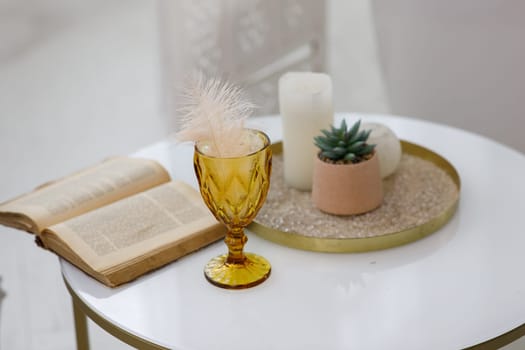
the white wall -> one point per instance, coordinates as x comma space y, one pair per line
78, 83
456, 62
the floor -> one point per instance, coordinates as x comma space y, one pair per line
76, 89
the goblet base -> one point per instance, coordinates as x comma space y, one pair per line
252, 271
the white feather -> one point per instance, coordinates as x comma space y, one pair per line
214, 111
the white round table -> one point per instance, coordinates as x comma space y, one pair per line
460, 286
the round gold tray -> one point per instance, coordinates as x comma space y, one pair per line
297, 238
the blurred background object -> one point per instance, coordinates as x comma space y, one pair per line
250, 42
253, 42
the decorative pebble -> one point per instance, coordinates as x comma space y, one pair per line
388, 147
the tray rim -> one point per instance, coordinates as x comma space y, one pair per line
365, 244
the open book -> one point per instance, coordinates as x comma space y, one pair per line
117, 220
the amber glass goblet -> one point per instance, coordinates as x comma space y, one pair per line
234, 190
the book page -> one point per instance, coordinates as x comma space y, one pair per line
136, 225
86, 190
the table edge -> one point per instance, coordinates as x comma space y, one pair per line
113, 329
142, 343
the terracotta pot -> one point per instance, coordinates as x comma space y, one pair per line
345, 189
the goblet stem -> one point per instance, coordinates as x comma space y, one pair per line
235, 240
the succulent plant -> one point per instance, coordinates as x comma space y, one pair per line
343, 145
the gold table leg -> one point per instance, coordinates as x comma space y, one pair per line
81, 329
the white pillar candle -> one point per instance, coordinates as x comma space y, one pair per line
305, 103
388, 147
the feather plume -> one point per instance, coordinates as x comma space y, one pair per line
214, 111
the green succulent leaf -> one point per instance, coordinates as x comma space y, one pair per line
355, 146
329, 155
350, 157
340, 151
318, 141
323, 146
356, 137
330, 137
343, 143
366, 134
367, 149
354, 128
343, 126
